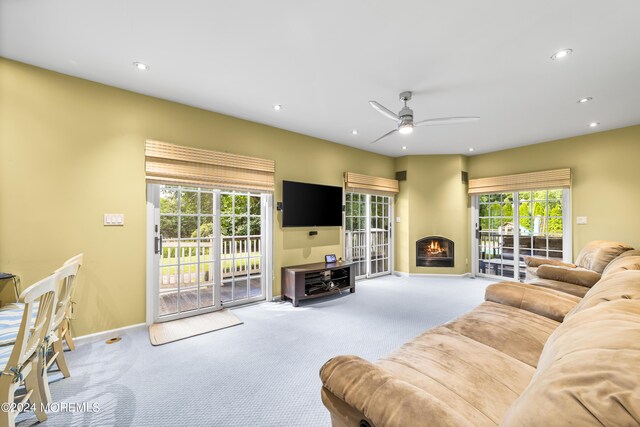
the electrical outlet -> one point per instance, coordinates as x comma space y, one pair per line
581, 220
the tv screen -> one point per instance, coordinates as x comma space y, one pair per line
311, 205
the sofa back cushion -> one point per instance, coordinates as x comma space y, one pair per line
588, 372
624, 285
629, 260
597, 254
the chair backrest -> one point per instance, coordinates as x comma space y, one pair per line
67, 275
78, 258
33, 332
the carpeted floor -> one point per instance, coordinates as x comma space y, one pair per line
262, 373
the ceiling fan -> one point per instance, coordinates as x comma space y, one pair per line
405, 117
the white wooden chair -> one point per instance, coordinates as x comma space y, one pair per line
66, 279
65, 303
20, 362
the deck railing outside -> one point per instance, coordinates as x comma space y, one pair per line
244, 260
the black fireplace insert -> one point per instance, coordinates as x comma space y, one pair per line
434, 251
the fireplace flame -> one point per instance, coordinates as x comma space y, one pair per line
434, 248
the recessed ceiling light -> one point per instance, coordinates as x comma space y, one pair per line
470, 149
404, 147
277, 107
562, 54
583, 100
594, 124
354, 132
141, 66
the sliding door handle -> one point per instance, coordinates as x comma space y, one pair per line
158, 245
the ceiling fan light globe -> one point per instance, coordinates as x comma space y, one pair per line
405, 129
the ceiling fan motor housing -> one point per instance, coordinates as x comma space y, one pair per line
406, 115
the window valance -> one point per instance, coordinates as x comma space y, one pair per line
178, 165
370, 184
557, 178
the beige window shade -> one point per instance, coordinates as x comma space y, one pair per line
558, 178
370, 184
177, 165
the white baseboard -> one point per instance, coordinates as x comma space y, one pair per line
104, 335
402, 274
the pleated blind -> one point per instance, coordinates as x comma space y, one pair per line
370, 184
178, 165
557, 178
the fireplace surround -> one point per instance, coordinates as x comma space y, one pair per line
434, 251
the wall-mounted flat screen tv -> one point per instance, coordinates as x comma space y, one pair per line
311, 205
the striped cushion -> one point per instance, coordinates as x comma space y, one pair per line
10, 318
5, 353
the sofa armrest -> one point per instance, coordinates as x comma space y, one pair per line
543, 301
536, 261
577, 276
383, 399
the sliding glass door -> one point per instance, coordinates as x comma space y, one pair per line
511, 225
208, 249
368, 233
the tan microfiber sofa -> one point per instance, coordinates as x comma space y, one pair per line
508, 362
575, 279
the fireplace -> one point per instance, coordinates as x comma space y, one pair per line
434, 251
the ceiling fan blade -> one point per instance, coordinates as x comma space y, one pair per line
385, 135
446, 121
384, 111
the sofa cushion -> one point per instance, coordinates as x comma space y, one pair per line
493, 347
536, 299
536, 261
459, 371
577, 276
518, 333
598, 253
620, 286
587, 373
380, 399
629, 260
569, 288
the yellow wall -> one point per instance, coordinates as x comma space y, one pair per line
72, 150
401, 230
605, 169
432, 201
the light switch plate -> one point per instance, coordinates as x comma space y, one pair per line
397, 219
581, 220
111, 219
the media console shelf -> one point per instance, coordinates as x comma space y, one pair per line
307, 281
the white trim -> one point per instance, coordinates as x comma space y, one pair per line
392, 236
516, 229
567, 226
403, 274
111, 333
439, 275
152, 196
474, 234
268, 245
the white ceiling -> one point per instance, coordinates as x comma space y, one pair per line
324, 60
